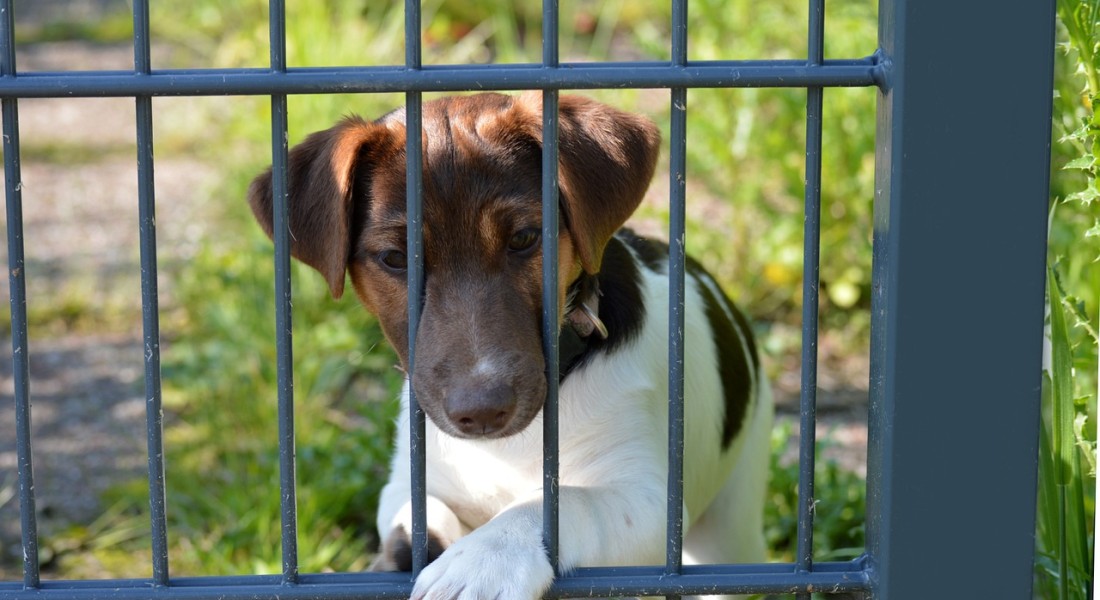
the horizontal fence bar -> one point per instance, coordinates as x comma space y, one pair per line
844, 577
335, 80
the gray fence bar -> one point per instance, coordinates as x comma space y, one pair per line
17, 286
550, 317
726, 579
414, 192
415, 274
674, 537
810, 279
958, 297
283, 324
150, 305
343, 80
846, 577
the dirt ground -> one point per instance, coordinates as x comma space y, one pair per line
81, 232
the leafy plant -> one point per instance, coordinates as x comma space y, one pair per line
839, 504
1067, 467
1065, 539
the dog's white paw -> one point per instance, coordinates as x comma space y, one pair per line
492, 563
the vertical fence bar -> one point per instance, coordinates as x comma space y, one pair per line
677, 210
810, 279
550, 318
957, 303
150, 311
283, 324
17, 282
414, 191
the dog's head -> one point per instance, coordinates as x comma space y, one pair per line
479, 368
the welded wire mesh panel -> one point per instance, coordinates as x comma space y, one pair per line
889, 569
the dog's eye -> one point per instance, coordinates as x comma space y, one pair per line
394, 260
524, 240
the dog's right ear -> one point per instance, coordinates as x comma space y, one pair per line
323, 172
605, 163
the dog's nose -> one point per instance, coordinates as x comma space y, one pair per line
481, 410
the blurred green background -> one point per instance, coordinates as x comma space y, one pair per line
745, 194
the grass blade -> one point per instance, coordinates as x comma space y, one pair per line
1071, 542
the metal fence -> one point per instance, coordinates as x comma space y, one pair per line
959, 238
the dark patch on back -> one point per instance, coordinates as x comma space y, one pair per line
621, 307
622, 311
734, 367
653, 253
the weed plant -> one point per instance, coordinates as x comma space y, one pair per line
1065, 528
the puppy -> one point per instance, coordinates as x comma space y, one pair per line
479, 373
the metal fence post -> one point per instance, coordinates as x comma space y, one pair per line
959, 243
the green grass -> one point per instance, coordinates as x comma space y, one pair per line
70, 153
111, 28
839, 504
222, 449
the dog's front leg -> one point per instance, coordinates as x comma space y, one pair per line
505, 559
395, 527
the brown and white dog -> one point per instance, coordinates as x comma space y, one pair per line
479, 373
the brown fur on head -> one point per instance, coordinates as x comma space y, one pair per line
479, 370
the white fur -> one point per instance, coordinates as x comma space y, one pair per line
485, 496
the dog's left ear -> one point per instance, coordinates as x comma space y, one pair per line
323, 172
606, 159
